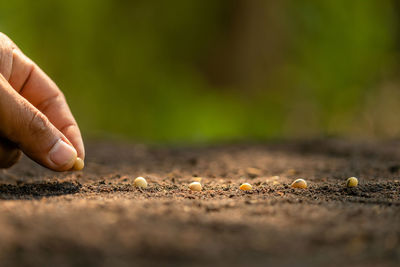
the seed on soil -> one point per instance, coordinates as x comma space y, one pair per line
195, 186
291, 172
140, 182
352, 182
299, 183
253, 172
79, 164
245, 187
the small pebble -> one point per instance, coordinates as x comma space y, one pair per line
299, 183
245, 187
195, 186
140, 182
352, 182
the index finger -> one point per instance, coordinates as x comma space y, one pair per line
35, 86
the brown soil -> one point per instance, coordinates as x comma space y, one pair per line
97, 218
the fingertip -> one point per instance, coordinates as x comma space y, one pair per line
74, 136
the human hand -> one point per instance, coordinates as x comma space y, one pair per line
34, 115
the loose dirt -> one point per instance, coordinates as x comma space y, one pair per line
96, 217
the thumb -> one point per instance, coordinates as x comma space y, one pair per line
25, 125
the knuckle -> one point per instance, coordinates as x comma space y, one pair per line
55, 99
6, 43
3, 36
38, 124
61, 95
6, 55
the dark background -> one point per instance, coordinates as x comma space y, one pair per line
218, 70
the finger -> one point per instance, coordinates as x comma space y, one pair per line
34, 134
34, 85
9, 153
6, 57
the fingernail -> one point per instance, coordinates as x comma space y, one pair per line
62, 154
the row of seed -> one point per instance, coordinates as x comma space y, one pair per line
196, 186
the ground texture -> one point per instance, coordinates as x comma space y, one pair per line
96, 217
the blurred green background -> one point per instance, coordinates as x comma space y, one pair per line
208, 71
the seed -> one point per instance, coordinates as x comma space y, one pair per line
291, 171
253, 172
195, 186
299, 183
245, 187
352, 182
140, 182
79, 164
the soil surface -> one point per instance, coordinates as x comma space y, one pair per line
96, 217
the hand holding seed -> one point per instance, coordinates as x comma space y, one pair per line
34, 115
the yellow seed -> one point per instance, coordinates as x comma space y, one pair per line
79, 164
195, 186
245, 187
140, 182
299, 183
352, 182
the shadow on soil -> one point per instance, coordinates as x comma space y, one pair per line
38, 190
